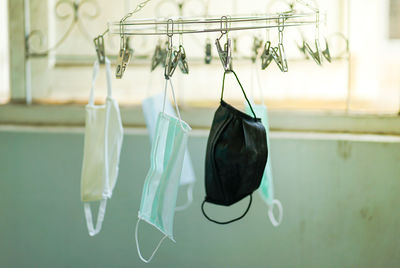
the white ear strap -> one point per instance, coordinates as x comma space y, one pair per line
260, 86
96, 68
100, 217
94, 76
189, 198
271, 215
173, 96
255, 72
137, 245
108, 76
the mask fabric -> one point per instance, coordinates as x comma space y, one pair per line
152, 106
236, 156
161, 185
102, 147
266, 189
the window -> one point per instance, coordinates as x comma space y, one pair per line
365, 80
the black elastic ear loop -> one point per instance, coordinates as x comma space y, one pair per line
226, 222
244, 93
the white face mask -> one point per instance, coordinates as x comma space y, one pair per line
152, 106
102, 147
160, 188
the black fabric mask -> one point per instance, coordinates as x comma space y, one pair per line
236, 156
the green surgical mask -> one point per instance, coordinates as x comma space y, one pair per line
161, 185
266, 189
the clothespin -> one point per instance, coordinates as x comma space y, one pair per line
183, 65
278, 53
99, 45
173, 56
124, 57
326, 52
225, 54
266, 56
173, 59
316, 55
158, 56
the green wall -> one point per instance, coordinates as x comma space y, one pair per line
341, 207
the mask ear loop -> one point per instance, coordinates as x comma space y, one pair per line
230, 221
138, 248
275, 222
173, 96
255, 73
244, 93
189, 201
100, 217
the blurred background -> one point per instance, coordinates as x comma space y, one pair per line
364, 79
335, 136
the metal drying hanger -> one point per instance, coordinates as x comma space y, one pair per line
174, 58
197, 25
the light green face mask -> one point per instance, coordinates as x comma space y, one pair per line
266, 189
161, 185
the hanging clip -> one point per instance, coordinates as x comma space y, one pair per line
225, 54
266, 56
208, 56
326, 53
158, 56
183, 65
173, 56
124, 57
173, 59
99, 45
316, 55
278, 53
125, 52
302, 47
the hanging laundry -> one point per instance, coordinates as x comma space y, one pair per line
161, 185
266, 189
102, 147
236, 156
152, 106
